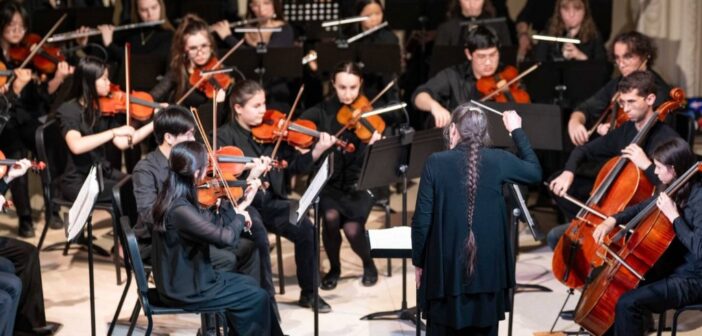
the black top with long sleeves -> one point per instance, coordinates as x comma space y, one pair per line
451, 87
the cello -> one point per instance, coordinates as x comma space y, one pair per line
652, 235
618, 184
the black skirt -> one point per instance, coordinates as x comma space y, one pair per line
352, 205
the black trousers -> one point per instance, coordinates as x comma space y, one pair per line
276, 218
25, 257
436, 329
656, 297
242, 258
10, 292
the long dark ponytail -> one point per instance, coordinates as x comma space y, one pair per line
185, 160
88, 71
471, 124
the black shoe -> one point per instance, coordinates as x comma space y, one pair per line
56, 222
26, 229
49, 329
370, 275
568, 315
330, 279
307, 301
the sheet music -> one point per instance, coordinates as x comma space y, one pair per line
83, 205
397, 238
313, 189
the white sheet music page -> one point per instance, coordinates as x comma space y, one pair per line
83, 205
313, 189
397, 238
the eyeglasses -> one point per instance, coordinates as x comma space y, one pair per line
194, 50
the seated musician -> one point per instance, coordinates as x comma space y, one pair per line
571, 19
457, 84
630, 51
451, 32
171, 127
264, 10
684, 286
637, 94
182, 235
248, 101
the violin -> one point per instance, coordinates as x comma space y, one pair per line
299, 133
141, 106
6, 163
210, 189
232, 161
213, 82
45, 60
352, 118
504, 86
5, 74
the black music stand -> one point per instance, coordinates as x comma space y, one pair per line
329, 55
566, 83
244, 59
209, 10
541, 122
415, 14
306, 16
445, 56
282, 63
406, 153
498, 25
382, 58
308, 199
149, 67
93, 16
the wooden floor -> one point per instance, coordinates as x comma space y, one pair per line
67, 297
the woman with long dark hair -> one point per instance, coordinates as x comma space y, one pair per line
461, 249
183, 233
86, 131
684, 285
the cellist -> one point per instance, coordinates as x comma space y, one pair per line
684, 286
637, 97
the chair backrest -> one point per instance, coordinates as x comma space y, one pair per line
53, 151
123, 200
134, 259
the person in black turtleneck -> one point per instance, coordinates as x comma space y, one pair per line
684, 286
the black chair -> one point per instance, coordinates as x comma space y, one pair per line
674, 326
148, 297
53, 151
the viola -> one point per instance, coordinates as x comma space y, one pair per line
351, 116
651, 235
213, 83
141, 106
504, 86
45, 60
618, 184
6, 163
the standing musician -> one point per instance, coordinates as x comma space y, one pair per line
457, 84
637, 94
271, 12
452, 31
172, 126
341, 204
571, 19
30, 100
684, 286
248, 101
461, 248
86, 131
183, 270
192, 49
631, 51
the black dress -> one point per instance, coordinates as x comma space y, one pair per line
185, 277
439, 229
71, 117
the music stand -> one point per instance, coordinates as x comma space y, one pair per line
329, 55
92, 17
282, 62
382, 58
578, 80
43, 19
306, 16
244, 59
209, 10
311, 198
498, 25
149, 67
407, 154
415, 14
541, 122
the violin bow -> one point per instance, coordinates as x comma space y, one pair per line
37, 47
284, 127
514, 80
204, 77
127, 61
375, 99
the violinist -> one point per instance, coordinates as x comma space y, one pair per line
183, 270
192, 49
571, 19
684, 286
86, 131
342, 205
248, 101
172, 126
30, 101
271, 12
631, 51
637, 94
457, 84
452, 31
